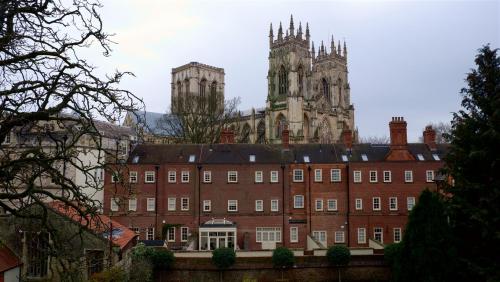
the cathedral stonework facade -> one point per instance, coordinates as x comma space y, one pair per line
197, 82
308, 92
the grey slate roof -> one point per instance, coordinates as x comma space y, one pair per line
150, 121
112, 130
269, 154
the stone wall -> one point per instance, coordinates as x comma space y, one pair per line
308, 268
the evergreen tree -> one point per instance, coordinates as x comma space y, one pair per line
427, 251
474, 163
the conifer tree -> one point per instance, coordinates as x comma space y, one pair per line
474, 163
427, 252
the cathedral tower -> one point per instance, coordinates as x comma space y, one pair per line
197, 85
289, 71
309, 93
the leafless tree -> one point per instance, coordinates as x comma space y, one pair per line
50, 97
375, 140
197, 122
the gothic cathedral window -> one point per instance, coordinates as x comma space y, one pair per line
245, 134
186, 85
339, 84
326, 90
203, 98
179, 96
261, 133
300, 72
280, 125
283, 81
212, 103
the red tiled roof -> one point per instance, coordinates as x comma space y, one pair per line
8, 259
99, 224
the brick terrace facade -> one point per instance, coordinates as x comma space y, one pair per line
338, 194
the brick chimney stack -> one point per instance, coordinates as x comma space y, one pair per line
347, 138
285, 138
226, 136
399, 141
398, 133
223, 136
430, 137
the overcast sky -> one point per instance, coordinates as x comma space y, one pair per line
405, 58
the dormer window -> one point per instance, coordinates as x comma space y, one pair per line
192, 158
135, 159
251, 158
306, 159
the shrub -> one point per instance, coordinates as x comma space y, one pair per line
283, 257
141, 252
338, 255
162, 258
141, 271
115, 274
223, 257
159, 258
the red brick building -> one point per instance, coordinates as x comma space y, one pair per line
253, 197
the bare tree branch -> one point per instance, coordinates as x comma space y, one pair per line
50, 99
199, 120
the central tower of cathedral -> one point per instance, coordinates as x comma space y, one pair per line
307, 92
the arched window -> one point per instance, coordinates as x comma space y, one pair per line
280, 125
306, 127
203, 98
283, 81
212, 103
186, 85
339, 84
261, 133
245, 134
326, 89
179, 96
300, 72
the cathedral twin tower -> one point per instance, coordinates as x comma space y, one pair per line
307, 92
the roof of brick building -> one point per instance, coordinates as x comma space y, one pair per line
99, 224
8, 259
274, 154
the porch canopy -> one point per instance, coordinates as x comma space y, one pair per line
217, 233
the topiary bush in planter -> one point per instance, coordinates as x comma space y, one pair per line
338, 255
